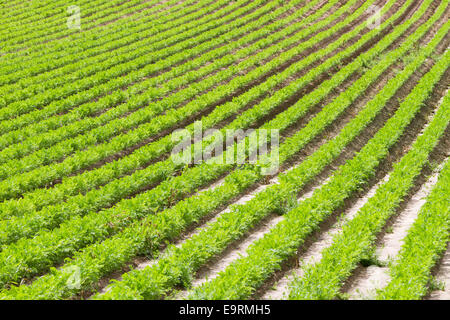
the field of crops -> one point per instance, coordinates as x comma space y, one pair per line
349, 198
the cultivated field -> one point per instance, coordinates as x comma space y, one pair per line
334, 183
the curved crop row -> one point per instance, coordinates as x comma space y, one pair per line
176, 77
26, 14
58, 18
426, 241
143, 155
110, 94
97, 19
240, 279
188, 182
91, 59
91, 189
90, 43
324, 279
77, 92
194, 254
259, 206
37, 177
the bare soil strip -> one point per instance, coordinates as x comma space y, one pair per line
397, 151
143, 262
392, 241
442, 277
314, 253
366, 279
238, 248
377, 277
